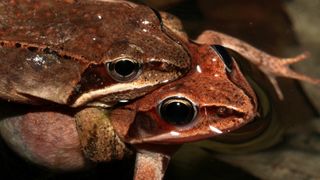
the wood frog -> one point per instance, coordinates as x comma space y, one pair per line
76, 52
212, 99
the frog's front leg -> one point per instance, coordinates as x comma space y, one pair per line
150, 165
272, 66
97, 137
152, 160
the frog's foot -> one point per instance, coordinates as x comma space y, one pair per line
270, 65
277, 67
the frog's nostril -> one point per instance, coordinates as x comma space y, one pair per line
221, 111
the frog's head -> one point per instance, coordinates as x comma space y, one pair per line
105, 52
214, 98
142, 51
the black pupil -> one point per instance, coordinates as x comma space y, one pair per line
125, 67
177, 112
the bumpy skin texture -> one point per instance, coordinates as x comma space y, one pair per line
56, 50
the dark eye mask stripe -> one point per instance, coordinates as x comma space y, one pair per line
96, 77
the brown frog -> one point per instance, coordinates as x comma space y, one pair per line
77, 52
214, 96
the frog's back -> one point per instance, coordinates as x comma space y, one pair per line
84, 29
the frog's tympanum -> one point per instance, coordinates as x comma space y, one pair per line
101, 79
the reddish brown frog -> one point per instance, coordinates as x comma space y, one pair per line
214, 96
212, 99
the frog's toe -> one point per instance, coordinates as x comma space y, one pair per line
277, 67
298, 58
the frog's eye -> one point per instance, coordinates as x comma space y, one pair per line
177, 110
123, 70
225, 56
